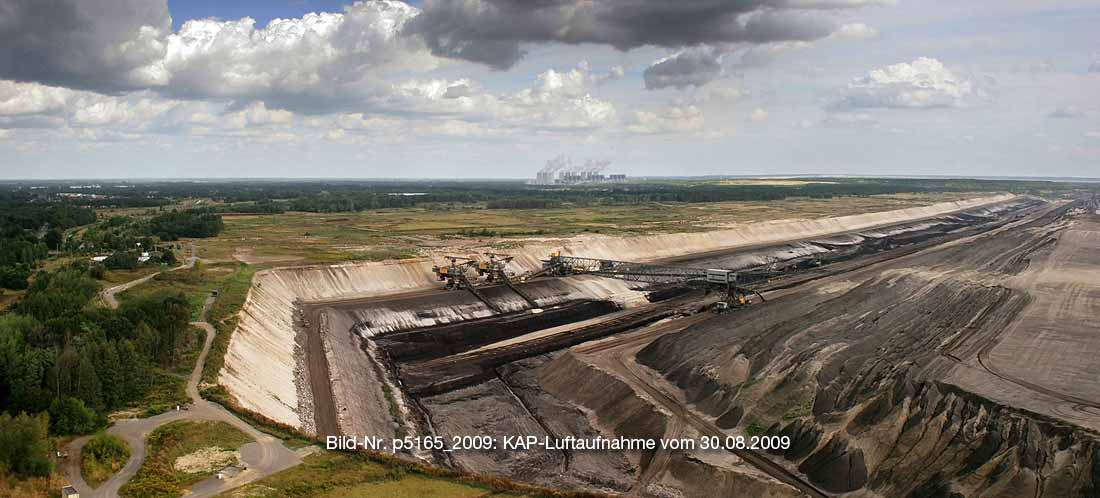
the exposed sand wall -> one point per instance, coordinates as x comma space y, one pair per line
260, 363
653, 247
259, 368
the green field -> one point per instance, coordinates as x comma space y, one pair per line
328, 474
298, 238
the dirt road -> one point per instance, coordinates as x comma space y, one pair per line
264, 457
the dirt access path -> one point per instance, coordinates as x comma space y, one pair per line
264, 457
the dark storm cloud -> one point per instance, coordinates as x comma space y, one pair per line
89, 44
691, 67
491, 31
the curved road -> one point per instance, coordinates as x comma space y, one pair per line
264, 457
109, 293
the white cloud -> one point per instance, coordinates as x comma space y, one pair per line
758, 114
31, 98
856, 31
675, 119
921, 84
322, 57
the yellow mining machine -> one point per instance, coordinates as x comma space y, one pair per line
454, 274
491, 270
495, 269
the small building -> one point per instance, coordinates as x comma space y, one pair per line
69, 492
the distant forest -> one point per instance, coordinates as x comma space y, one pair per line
348, 196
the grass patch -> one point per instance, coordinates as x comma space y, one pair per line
115, 277
232, 291
157, 477
753, 428
383, 253
9, 297
330, 474
167, 391
188, 352
410, 487
196, 283
103, 456
290, 436
318, 473
395, 411
14, 487
799, 410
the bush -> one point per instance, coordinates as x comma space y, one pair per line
104, 455
97, 271
70, 416
121, 260
14, 277
24, 448
169, 258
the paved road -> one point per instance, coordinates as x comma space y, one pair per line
264, 457
109, 293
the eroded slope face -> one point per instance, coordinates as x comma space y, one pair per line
887, 378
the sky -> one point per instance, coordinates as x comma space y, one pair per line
497, 88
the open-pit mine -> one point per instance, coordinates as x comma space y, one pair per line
945, 350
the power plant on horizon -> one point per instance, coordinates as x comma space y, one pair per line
563, 171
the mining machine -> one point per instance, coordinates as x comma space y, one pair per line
456, 277
735, 284
495, 270
454, 274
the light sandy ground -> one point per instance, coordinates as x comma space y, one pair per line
206, 460
260, 363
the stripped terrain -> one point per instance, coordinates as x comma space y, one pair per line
885, 351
